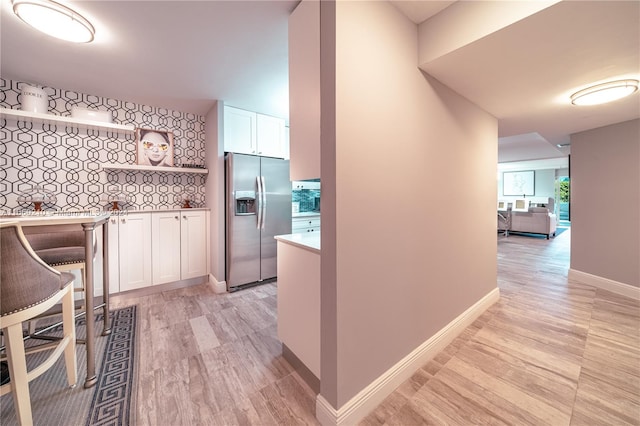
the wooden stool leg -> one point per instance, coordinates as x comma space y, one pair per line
83, 280
18, 372
69, 329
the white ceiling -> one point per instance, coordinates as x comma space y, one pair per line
420, 11
525, 73
185, 55
174, 54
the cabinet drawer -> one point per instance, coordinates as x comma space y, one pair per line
295, 229
305, 229
305, 224
298, 185
305, 221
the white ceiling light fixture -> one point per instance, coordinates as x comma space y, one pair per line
55, 19
605, 92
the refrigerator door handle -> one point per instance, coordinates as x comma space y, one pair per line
263, 203
259, 199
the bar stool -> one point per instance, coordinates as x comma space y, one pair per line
62, 249
29, 288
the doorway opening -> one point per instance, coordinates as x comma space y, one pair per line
563, 200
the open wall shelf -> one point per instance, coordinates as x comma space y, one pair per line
163, 169
35, 117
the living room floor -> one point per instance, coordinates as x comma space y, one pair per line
550, 351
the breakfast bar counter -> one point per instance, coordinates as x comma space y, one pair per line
89, 222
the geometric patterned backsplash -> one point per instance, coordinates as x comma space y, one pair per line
66, 160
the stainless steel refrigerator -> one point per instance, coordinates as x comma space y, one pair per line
258, 199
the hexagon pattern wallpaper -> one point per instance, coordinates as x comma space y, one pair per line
66, 160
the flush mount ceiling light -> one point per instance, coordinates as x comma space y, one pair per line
605, 92
54, 19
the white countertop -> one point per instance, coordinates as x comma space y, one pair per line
22, 214
173, 209
305, 240
57, 218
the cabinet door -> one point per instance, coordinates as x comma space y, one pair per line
134, 234
287, 156
114, 257
239, 131
270, 136
165, 247
194, 236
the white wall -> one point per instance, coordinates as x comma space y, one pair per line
403, 158
214, 188
605, 202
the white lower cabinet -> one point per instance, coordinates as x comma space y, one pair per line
114, 261
179, 246
134, 251
156, 248
165, 247
193, 244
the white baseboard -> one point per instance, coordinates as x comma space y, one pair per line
370, 397
605, 284
218, 286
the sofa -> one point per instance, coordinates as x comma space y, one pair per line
537, 220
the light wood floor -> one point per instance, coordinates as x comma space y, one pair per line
549, 352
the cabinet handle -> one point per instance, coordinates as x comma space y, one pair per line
184, 217
124, 220
177, 217
113, 221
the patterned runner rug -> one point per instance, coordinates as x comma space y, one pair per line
109, 402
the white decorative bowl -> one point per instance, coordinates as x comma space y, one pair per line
91, 114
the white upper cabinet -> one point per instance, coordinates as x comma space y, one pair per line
270, 136
248, 132
304, 90
240, 131
287, 154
